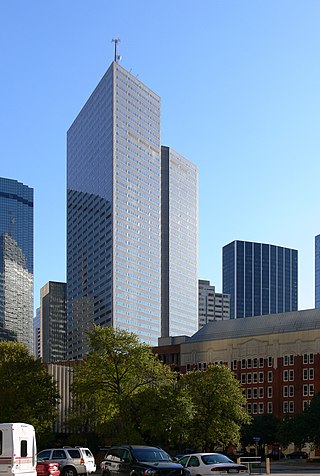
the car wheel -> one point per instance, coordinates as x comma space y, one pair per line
69, 471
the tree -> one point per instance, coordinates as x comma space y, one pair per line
27, 392
219, 406
118, 367
264, 427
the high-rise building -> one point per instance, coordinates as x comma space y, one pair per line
260, 278
53, 321
212, 306
114, 211
36, 334
317, 271
16, 262
179, 235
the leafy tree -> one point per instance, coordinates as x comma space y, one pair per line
27, 391
263, 426
118, 367
219, 406
163, 414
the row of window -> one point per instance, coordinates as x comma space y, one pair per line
254, 363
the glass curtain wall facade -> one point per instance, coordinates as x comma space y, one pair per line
16, 262
179, 224
260, 278
114, 212
53, 321
317, 271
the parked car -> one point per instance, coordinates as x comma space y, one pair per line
47, 468
124, 460
72, 460
203, 464
298, 455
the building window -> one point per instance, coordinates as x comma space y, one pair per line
243, 378
305, 374
291, 375
305, 390
285, 375
261, 362
269, 408
249, 378
311, 374
305, 404
249, 407
311, 390
311, 359
261, 377
261, 408
261, 392
270, 361
255, 363
255, 393
305, 358
291, 407
291, 391
255, 377
249, 393
269, 392
285, 407
270, 376
188, 367
234, 364
243, 363
285, 392
285, 360
249, 364
291, 359
254, 408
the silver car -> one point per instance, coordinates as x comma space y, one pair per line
72, 461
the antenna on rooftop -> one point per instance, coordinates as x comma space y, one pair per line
116, 56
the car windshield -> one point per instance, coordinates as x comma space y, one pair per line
215, 458
151, 454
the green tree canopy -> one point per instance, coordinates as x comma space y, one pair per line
27, 392
117, 368
219, 406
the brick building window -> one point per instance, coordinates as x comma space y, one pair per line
285, 376
270, 361
291, 375
261, 362
261, 392
311, 374
291, 391
305, 390
269, 407
270, 378
269, 392
261, 408
285, 391
255, 363
305, 374
261, 377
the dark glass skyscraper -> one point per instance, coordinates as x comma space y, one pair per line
53, 321
114, 211
260, 278
16, 262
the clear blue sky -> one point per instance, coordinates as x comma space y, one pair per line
240, 89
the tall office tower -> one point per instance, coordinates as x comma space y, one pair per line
213, 306
53, 321
114, 212
260, 278
317, 271
179, 235
36, 334
16, 262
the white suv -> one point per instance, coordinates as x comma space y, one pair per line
72, 460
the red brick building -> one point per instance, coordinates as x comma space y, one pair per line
275, 357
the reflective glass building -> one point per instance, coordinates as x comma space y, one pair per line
16, 262
114, 211
317, 271
179, 225
260, 278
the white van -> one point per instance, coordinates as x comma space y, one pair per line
17, 450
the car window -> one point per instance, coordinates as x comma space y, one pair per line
193, 461
74, 454
184, 460
58, 454
45, 454
114, 455
88, 453
151, 454
215, 458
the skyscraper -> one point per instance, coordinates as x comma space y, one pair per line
53, 321
213, 306
16, 262
179, 234
317, 271
260, 278
114, 211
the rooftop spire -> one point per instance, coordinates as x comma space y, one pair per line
116, 56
